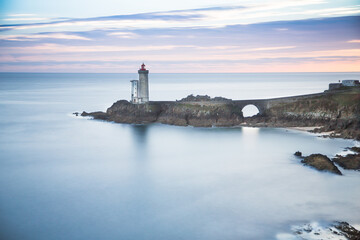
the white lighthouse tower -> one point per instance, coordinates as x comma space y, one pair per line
140, 88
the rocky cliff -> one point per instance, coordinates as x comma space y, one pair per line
337, 111
198, 113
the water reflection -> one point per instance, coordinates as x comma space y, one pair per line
140, 134
140, 138
250, 131
250, 136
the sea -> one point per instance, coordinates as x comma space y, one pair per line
68, 177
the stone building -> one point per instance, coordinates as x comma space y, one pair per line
344, 83
140, 88
350, 83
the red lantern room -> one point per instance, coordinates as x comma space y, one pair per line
143, 67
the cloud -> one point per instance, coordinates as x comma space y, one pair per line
242, 49
25, 19
22, 15
58, 48
4, 28
123, 34
175, 53
42, 36
117, 21
191, 49
200, 67
212, 17
271, 48
333, 11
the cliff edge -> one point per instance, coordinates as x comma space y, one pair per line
335, 111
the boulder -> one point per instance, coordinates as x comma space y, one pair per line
348, 231
96, 115
355, 149
321, 163
298, 154
350, 161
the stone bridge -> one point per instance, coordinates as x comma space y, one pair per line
261, 104
264, 104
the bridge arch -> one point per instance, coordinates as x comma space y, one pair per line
250, 110
261, 105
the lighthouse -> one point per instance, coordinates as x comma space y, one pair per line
140, 88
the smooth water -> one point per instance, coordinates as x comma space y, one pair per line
66, 177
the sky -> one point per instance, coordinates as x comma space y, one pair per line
186, 36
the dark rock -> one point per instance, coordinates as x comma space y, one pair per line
96, 115
76, 113
355, 149
298, 154
201, 115
350, 161
334, 230
321, 163
84, 114
349, 231
125, 112
196, 114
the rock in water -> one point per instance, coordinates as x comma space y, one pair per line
348, 231
350, 161
355, 149
198, 113
95, 115
298, 154
325, 231
321, 163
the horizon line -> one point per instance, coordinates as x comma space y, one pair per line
177, 72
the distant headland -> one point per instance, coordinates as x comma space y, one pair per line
336, 110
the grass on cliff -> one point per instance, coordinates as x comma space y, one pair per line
331, 102
347, 98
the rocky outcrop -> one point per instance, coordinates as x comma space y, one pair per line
325, 231
340, 128
347, 230
182, 113
355, 149
125, 112
350, 161
204, 98
201, 114
96, 115
321, 163
298, 154
338, 112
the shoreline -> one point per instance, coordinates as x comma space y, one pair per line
329, 134
331, 114
304, 129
